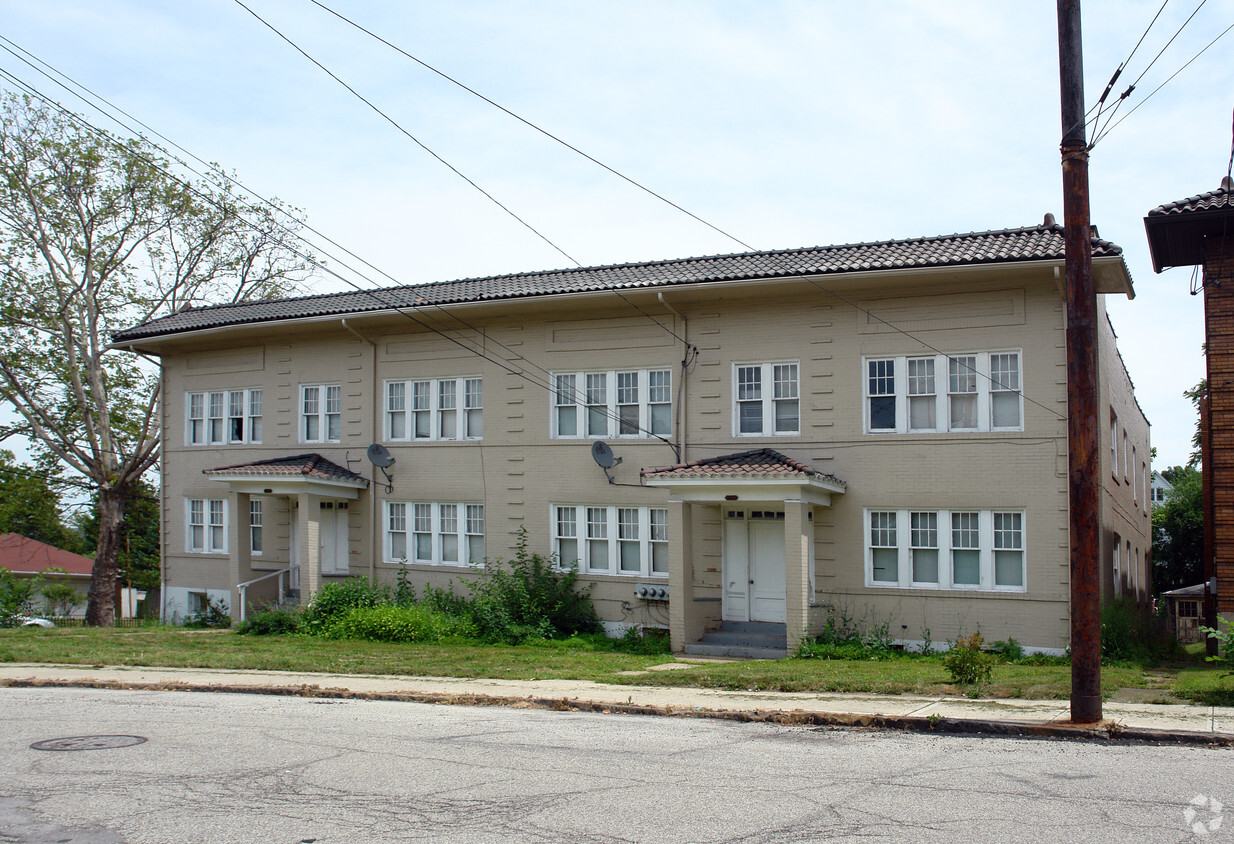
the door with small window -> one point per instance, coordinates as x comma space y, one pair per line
755, 584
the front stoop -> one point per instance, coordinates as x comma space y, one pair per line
743, 640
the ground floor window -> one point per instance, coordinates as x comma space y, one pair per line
945, 549
206, 525
629, 541
434, 533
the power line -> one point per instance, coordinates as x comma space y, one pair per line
1119, 70
528, 123
1110, 129
505, 364
413, 138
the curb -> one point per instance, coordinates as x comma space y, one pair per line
1105, 732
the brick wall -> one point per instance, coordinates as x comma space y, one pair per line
1219, 325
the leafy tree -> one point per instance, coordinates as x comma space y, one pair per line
29, 506
62, 598
95, 236
138, 557
1195, 394
1178, 531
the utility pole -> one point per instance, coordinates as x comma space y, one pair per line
1082, 439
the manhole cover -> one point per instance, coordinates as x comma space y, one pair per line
88, 742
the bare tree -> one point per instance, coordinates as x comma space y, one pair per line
97, 235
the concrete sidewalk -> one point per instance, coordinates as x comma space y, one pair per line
1177, 723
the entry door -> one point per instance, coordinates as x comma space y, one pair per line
753, 566
333, 537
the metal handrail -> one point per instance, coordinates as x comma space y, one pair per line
243, 587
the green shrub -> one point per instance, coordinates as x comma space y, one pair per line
16, 596
966, 662
1010, 650
214, 615
389, 623
1225, 644
337, 598
846, 637
814, 649
271, 622
525, 598
648, 641
1127, 634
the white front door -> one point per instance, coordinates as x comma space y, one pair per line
333, 537
753, 566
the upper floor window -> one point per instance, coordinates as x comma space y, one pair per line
945, 549
629, 541
435, 409
321, 413
766, 399
206, 522
941, 393
225, 416
1113, 443
629, 403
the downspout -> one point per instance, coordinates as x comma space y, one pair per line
374, 523
681, 390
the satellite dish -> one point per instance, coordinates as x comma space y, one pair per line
380, 456
602, 454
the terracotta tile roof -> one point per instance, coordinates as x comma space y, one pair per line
1034, 243
759, 463
22, 555
299, 465
1208, 201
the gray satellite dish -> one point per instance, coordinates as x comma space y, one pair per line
380, 456
602, 454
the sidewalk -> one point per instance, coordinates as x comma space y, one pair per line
1174, 723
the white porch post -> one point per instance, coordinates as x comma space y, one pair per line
308, 542
240, 552
798, 536
685, 622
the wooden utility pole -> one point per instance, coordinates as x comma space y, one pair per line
1082, 439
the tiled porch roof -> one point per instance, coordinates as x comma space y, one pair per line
759, 463
1208, 201
300, 465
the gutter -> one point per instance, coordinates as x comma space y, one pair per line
374, 525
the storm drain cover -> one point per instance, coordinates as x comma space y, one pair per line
88, 743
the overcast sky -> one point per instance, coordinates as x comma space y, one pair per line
784, 124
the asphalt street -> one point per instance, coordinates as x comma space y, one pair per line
249, 768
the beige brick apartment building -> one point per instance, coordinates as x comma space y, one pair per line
875, 429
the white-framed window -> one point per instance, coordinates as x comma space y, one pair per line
434, 409
1113, 443
206, 522
905, 394
255, 516
946, 549
1134, 480
1126, 460
616, 403
321, 407
223, 416
629, 541
441, 533
766, 399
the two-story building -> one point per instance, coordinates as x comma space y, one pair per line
877, 429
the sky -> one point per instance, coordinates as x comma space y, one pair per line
783, 123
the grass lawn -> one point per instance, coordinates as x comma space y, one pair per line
571, 660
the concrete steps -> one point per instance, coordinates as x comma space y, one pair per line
743, 640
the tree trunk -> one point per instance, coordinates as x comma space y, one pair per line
101, 610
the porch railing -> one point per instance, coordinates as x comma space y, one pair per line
243, 587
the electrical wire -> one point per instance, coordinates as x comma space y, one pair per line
1119, 70
528, 123
412, 137
505, 364
1110, 129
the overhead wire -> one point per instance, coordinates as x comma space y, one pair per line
507, 365
1119, 70
532, 125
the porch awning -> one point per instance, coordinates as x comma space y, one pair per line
300, 473
756, 476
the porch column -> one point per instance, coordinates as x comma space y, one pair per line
798, 536
308, 544
240, 552
684, 621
